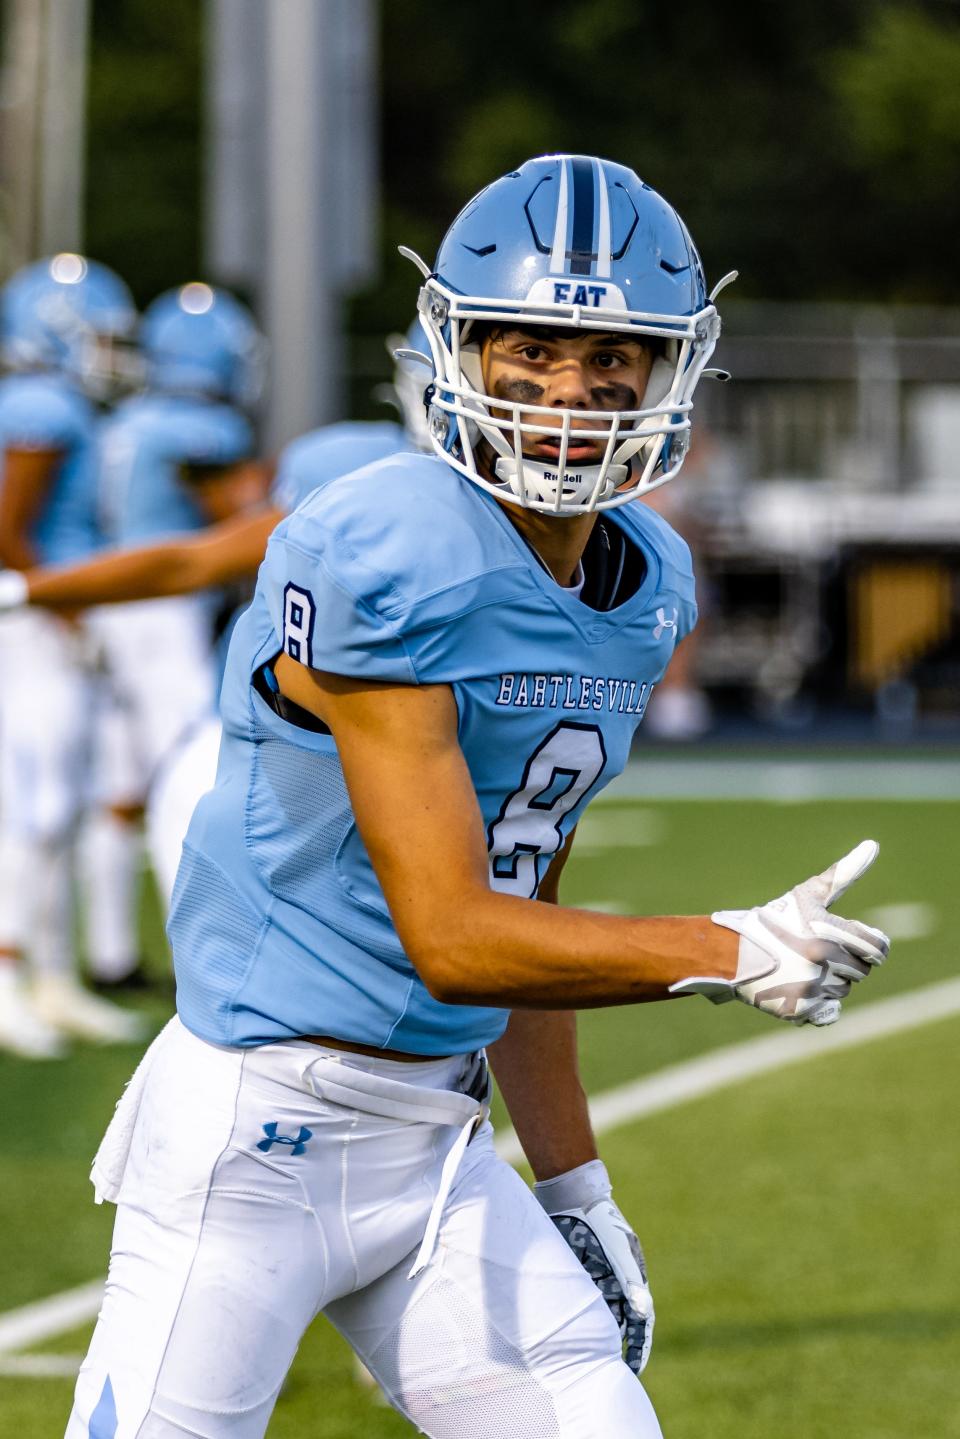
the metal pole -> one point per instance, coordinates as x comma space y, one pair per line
63, 125
300, 311
351, 97
235, 208
878, 398
20, 89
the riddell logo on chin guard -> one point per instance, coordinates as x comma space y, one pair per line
570, 478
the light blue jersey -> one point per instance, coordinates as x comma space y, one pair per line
143, 447
402, 572
45, 412
323, 455
318, 457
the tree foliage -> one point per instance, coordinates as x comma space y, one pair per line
144, 141
898, 94
771, 128
813, 144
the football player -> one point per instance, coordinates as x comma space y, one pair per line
64, 327
173, 460
445, 659
233, 548
181, 565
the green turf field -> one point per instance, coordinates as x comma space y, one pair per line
803, 1230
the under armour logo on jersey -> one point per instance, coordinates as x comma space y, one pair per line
664, 623
297, 1144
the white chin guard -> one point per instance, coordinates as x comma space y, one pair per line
533, 480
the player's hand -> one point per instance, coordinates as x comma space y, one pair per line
797, 961
580, 1203
14, 593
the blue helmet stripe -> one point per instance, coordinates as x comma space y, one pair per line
581, 253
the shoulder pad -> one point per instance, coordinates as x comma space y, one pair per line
413, 521
314, 459
672, 550
38, 411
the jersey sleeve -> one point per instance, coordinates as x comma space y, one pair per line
327, 605
375, 574
38, 417
314, 459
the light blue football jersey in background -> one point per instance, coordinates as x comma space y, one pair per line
142, 447
45, 412
323, 455
402, 572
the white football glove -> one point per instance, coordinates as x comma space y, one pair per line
796, 961
580, 1204
13, 590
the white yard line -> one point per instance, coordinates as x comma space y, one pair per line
39, 1366
678, 1084
905, 920
20, 1328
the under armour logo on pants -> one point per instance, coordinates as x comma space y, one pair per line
297, 1144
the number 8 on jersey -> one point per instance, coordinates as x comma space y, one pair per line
299, 614
528, 829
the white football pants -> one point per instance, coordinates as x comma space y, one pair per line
251, 1195
47, 699
162, 666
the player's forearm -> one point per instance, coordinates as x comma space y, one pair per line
229, 552
535, 1064
516, 953
16, 552
25, 485
417, 811
116, 578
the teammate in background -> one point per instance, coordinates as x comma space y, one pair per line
173, 460
445, 659
64, 327
232, 549
221, 554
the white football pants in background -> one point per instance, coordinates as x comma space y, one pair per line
47, 698
164, 673
246, 1204
161, 662
185, 775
